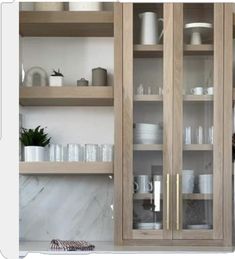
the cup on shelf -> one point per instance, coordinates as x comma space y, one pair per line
143, 184
56, 153
91, 152
210, 135
140, 89
209, 91
74, 152
197, 91
206, 183
106, 152
187, 181
199, 135
188, 135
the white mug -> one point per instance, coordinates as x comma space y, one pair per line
209, 91
197, 91
143, 184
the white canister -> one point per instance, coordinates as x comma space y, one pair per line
149, 28
85, 6
34, 153
48, 6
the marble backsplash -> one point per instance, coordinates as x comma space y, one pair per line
66, 207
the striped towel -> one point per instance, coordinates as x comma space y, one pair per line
68, 245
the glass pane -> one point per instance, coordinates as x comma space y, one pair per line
147, 119
197, 173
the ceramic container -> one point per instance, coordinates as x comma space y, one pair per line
48, 6
209, 91
34, 153
82, 82
149, 28
187, 181
99, 76
56, 81
206, 183
85, 6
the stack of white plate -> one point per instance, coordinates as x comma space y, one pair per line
199, 226
148, 225
145, 133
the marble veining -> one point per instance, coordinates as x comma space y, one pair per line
66, 207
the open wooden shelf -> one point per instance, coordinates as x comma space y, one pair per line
198, 98
148, 51
147, 147
203, 49
148, 98
198, 147
44, 168
66, 96
66, 24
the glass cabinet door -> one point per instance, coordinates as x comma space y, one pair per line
198, 102
147, 128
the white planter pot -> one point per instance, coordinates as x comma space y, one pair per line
34, 154
56, 81
50, 6
85, 6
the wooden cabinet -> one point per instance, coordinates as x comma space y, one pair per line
176, 180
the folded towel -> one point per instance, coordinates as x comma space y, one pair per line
68, 245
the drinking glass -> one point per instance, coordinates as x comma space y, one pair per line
106, 152
91, 152
56, 152
210, 135
199, 135
188, 135
73, 152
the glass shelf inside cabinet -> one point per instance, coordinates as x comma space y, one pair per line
198, 119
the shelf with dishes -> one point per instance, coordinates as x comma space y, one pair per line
198, 147
66, 96
55, 168
148, 98
198, 98
66, 24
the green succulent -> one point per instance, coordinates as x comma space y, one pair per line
34, 137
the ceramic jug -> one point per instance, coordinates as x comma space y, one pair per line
149, 28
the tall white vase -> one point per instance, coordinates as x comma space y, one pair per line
34, 154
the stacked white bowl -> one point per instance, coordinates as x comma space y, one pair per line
145, 133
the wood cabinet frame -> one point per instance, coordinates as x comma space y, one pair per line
173, 51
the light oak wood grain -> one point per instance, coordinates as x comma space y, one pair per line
228, 122
66, 24
118, 107
66, 96
45, 168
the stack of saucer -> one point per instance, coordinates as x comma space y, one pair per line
145, 133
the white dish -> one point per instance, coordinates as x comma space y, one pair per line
199, 226
148, 225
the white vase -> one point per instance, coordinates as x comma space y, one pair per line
56, 81
48, 6
34, 154
85, 6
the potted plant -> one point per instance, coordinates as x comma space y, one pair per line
34, 141
56, 79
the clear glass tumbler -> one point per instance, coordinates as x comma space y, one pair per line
91, 152
106, 152
56, 152
73, 152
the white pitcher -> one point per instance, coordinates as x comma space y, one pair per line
149, 28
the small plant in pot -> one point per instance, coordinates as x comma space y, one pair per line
56, 79
34, 141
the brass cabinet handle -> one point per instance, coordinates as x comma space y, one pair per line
177, 201
167, 201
